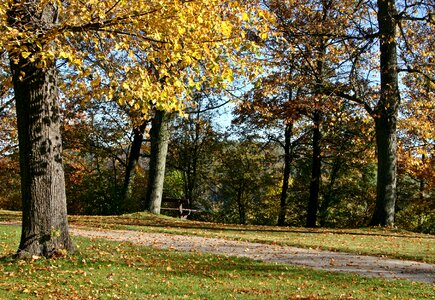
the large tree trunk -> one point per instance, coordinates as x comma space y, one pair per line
45, 226
133, 159
313, 201
159, 150
286, 175
386, 117
386, 179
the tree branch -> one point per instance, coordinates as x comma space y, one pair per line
411, 70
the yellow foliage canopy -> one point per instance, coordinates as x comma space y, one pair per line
144, 54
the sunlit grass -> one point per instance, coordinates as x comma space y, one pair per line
392, 243
109, 270
373, 241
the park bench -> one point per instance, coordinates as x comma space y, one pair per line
180, 205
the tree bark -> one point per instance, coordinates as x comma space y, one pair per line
44, 226
313, 201
133, 159
385, 116
159, 150
286, 175
386, 140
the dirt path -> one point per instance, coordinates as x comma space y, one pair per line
324, 260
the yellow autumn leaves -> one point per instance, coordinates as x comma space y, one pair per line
144, 54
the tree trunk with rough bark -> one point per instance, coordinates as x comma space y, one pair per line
313, 201
286, 175
44, 226
159, 150
386, 140
385, 116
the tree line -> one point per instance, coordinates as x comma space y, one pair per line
334, 103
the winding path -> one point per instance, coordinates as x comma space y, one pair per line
324, 260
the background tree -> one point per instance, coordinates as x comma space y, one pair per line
385, 115
352, 28
275, 112
246, 184
193, 149
96, 147
9, 157
308, 50
415, 124
348, 177
415, 209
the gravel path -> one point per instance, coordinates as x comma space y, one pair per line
324, 260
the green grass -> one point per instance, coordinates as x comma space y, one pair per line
109, 270
372, 241
392, 243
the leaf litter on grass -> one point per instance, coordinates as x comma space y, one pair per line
122, 270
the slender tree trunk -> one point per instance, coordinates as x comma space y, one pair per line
313, 201
190, 179
192, 161
241, 206
386, 117
422, 192
45, 225
159, 150
189, 186
286, 176
422, 183
133, 159
323, 210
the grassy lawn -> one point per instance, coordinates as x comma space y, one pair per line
373, 241
109, 270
